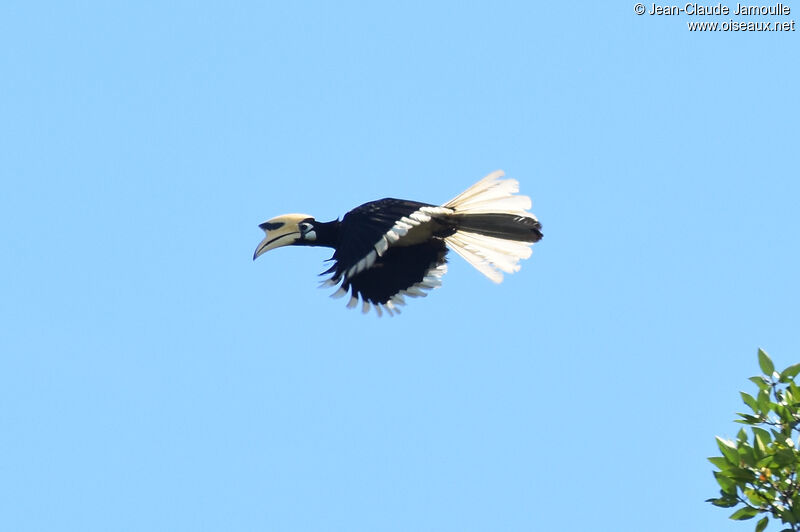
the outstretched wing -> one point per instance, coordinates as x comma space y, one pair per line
401, 271
375, 263
362, 231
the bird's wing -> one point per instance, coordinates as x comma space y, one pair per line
370, 264
368, 231
401, 271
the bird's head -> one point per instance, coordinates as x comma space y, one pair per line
287, 230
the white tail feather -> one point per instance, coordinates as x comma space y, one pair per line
478, 188
490, 255
505, 254
516, 205
492, 195
478, 262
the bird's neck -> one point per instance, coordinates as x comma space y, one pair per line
327, 234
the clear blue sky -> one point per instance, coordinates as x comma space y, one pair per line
153, 377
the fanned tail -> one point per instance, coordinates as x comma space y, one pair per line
494, 229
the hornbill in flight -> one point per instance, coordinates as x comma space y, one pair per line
387, 249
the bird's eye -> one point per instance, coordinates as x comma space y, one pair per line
307, 232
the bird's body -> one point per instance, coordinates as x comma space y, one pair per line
388, 249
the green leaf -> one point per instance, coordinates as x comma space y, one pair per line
796, 507
749, 401
790, 373
765, 363
786, 414
747, 419
720, 462
728, 449
767, 461
787, 516
741, 474
762, 524
759, 447
788, 396
744, 513
754, 497
764, 404
761, 382
728, 485
763, 434
794, 389
746, 454
724, 502
741, 437
784, 457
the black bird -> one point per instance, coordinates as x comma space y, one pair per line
391, 248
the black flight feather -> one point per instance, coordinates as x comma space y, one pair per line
364, 226
398, 269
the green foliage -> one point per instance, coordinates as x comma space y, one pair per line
758, 471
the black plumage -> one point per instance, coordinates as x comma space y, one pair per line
387, 249
363, 226
398, 269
